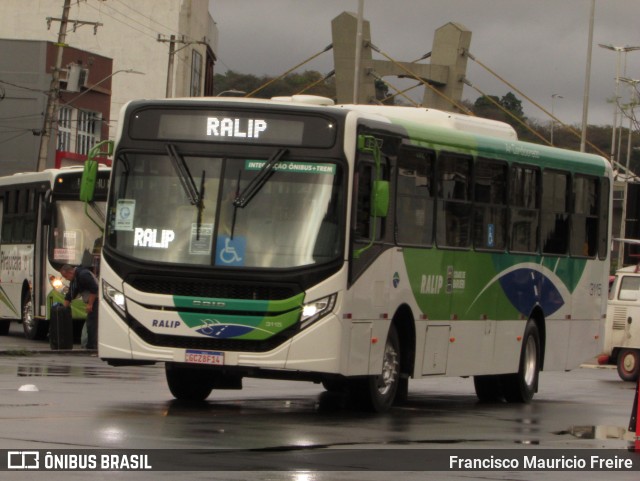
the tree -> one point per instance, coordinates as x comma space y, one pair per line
308, 82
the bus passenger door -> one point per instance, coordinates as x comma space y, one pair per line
370, 244
371, 252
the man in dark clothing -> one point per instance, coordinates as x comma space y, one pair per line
83, 283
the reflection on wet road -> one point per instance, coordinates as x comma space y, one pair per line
81, 401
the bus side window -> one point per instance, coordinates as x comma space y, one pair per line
490, 212
11, 229
454, 200
415, 198
555, 212
30, 216
584, 219
524, 184
363, 221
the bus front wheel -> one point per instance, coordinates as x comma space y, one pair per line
488, 388
521, 386
33, 328
377, 393
188, 384
629, 364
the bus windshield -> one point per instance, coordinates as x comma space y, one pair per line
190, 215
75, 238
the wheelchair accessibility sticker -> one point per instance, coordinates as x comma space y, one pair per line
230, 252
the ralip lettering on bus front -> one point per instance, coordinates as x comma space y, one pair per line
227, 127
149, 238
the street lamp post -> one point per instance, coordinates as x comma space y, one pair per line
619, 51
553, 119
623, 217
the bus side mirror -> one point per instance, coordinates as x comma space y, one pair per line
90, 173
88, 184
380, 194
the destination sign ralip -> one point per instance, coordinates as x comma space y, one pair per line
247, 127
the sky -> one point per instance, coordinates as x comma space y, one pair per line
538, 46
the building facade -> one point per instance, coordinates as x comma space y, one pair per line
25, 79
158, 48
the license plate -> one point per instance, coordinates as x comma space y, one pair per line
214, 358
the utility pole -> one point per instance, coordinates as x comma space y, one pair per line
49, 124
172, 52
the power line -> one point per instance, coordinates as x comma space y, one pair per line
14, 137
119, 20
461, 107
23, 87
146, 16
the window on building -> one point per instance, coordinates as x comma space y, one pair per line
196, 74
65, 132
88, 131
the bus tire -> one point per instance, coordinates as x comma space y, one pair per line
188, 384
33, 328
628, 364
4, 327
377, 393
521, 386
488, 388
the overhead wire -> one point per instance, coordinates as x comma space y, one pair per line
508, 112
15, 136
389, 97
145, 16
263, 86
461, 107
104, 12
568, 127
398, 91
319, 81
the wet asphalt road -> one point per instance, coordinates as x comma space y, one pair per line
52, 400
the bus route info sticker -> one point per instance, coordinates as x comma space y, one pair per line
201, 238
125, 209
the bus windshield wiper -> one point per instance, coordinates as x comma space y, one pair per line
195, 196
243, 198
182, 169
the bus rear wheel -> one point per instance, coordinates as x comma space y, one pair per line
629, 364
521, 386
377, 393
187, 383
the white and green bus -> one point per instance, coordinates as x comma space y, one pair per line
43, 225
353, 246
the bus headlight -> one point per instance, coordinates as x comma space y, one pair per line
315, 310
58, 284
115, 298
